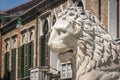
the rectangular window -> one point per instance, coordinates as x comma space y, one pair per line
44, 36
25, 59
25, 54
13, 64
13, 58
66, 72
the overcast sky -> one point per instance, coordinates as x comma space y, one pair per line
8, 4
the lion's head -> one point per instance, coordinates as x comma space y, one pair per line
62, 39
78, 34
64, 35
67, 30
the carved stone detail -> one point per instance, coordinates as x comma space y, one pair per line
79, 37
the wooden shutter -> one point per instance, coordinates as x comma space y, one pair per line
13, 64
6, 66
6, 58
29, 57
25, 60
20, 62
32, 53
30, 47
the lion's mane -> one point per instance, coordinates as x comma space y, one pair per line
95, 47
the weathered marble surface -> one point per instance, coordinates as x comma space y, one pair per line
79, 37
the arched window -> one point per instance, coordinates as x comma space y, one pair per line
43, 43
45, 26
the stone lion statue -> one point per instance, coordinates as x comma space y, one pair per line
79, 37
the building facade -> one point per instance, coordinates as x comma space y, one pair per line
25, 48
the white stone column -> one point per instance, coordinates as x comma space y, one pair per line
112, 18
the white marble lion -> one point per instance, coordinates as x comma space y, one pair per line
79, 37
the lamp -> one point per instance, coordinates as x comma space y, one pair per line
19, 23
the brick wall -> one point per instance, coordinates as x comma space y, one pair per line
93, 6
18, 33
104, 12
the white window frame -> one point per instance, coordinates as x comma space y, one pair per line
31, 30
23, 37
66, 75
14, 42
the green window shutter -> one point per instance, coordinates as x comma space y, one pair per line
6, 66
32, 53
30, 47
28, 52
13, 64
5, 62
29, 58
26, 68
20, 62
